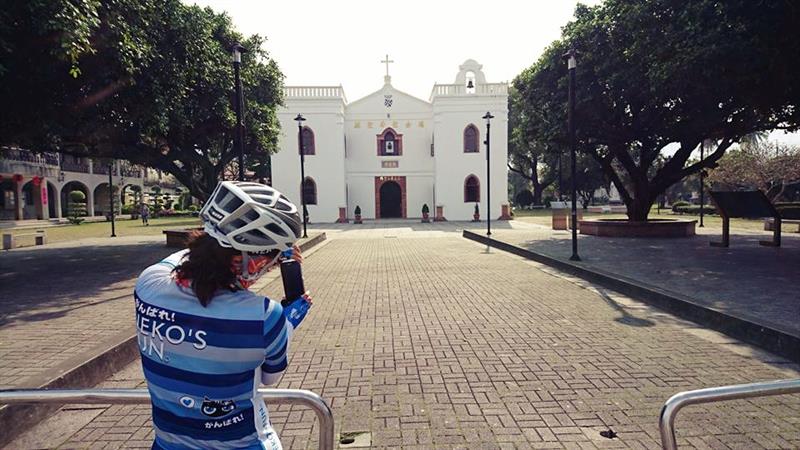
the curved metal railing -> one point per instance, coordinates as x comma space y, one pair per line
666, 423
142, 396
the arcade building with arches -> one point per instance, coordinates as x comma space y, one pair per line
36, 185
391, 153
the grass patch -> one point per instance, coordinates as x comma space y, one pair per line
714, 222
126, 227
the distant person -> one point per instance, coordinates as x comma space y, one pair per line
145, 214
206, 341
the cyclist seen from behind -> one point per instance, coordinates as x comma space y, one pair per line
206, 341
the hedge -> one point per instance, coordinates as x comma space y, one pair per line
694, 209
679, 204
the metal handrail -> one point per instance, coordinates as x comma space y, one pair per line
142, 396
666, 423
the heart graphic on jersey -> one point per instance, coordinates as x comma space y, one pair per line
187, 402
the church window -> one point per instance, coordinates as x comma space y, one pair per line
472, 189
390, 143
310, 191
471, 139
309, 147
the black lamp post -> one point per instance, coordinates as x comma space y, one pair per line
488, 117
572, 63
300, 119
237, 62
702, 200
111, 197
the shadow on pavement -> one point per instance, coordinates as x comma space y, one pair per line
40, 283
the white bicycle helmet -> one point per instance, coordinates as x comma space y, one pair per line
251, 217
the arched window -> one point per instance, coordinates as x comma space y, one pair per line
471, 139
308, 141
472, 190
390, 143
310, 191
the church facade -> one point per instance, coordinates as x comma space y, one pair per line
390, 153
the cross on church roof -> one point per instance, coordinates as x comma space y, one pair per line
387, 61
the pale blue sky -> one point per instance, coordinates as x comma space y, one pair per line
324, 42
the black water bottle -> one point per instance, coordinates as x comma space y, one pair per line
292, 276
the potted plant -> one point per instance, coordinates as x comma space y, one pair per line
425, 213
357, 214
476, 216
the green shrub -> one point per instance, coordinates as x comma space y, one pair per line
358, 210
76, 207
679, 204
694, 209
192, 208
425, 209
524, 198
77, 196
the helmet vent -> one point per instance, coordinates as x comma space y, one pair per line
276, 229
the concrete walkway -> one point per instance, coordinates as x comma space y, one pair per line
757, 283
422, 339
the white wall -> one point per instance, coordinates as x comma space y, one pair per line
325, 117
408, 116
453, 166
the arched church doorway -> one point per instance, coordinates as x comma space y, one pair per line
391, 200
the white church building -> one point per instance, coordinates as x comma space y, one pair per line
390, 153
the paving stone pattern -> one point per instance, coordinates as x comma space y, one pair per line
437, 342
757, 283
61, 301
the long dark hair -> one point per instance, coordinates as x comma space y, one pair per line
207, 266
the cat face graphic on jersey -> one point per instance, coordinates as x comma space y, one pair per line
217, 408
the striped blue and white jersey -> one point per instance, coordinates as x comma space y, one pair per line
204, 364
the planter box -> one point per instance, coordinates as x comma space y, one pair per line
625, 228
560, 217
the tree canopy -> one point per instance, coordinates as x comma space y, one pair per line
143, 80
656, 78
769, 166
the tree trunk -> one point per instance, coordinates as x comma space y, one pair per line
537, 194
639, 208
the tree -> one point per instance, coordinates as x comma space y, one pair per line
657, 78
524, 198
146, 81
590, 177
527, 156
768, 166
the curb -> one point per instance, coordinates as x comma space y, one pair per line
782, 343
80, 372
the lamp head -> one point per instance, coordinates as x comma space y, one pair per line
571, 57
488, 116
237, 51
300, 119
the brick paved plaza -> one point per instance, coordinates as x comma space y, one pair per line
757, 283
427, 340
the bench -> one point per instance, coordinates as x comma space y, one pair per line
10, 240
769, 224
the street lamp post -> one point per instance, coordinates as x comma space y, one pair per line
237, 62
488, 117
300, 119
111, 197
572, 63
702, 200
